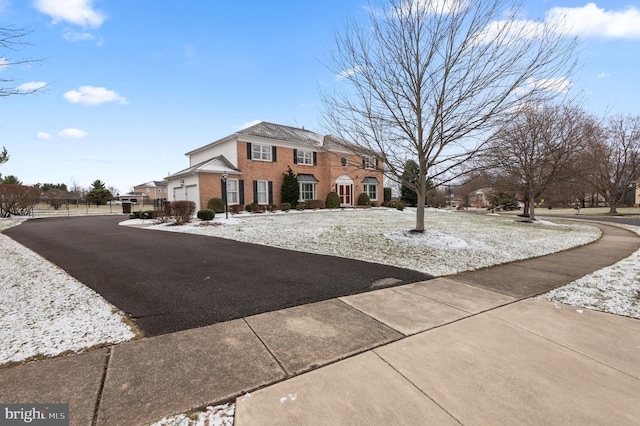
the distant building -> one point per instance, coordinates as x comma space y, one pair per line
152, 192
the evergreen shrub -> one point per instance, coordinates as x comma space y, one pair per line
333, 200
216, 204
206, 214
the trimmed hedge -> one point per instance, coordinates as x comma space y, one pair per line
206, 214
364, 200
333, 200
285, 207
216, 204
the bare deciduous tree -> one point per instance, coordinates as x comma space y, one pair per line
537, 149
431, 79
613, 159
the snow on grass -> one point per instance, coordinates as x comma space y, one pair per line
46, 312
220, 415
452, 242
614, 289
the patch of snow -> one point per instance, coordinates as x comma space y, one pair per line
219, 415
46, 312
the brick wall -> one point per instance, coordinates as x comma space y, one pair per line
327, 169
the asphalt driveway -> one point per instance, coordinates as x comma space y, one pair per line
168, 281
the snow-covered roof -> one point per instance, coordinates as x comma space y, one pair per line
284, 133
217, 164
153, 184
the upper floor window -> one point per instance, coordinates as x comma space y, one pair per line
304, 157
260, 152
369, 162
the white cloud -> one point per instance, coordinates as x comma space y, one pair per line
77, 12
590, 20
43, 136
73, 133
31, 86
70, 35
586, 21
346, 73
561, 84
90, 95
604, 75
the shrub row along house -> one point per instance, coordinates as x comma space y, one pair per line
253, 162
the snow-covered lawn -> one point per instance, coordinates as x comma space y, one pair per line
452, 242
614, 289
45, 312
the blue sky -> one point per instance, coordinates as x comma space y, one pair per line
133, 85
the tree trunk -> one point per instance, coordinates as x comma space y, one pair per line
420, 212
532, 207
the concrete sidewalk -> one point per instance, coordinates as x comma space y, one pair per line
470, 349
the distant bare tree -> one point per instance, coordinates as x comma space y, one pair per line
430, 80
613, 159
537, 149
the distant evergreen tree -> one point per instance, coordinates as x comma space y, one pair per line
290, 191
99, 194
409, 176
12, 180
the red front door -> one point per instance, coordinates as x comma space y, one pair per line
344, 192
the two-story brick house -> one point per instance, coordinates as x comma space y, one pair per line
254, 160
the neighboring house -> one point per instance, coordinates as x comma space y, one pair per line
254, 160
152, 192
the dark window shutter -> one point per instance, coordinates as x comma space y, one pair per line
241, 191
274, 157
376, 163
315, 158
255, 191
248, 151
295, 156
364, 164
270, 192
223, 190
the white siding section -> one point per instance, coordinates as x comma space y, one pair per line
227, 148
177, 188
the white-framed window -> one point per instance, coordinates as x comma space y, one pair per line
369, 162
307, 191
304, 157
232, 191
371, 189
260, 152
263, 191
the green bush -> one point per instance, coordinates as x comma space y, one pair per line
301, 206
142, 214
216, 204
333, 200
248, 207
364, 200
285, 207
206, 214
400, 206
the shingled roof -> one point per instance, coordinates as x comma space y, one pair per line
284, 133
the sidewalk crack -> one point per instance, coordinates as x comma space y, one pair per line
96, 409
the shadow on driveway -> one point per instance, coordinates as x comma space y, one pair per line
168, 281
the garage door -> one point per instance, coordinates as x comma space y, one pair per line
178, 194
